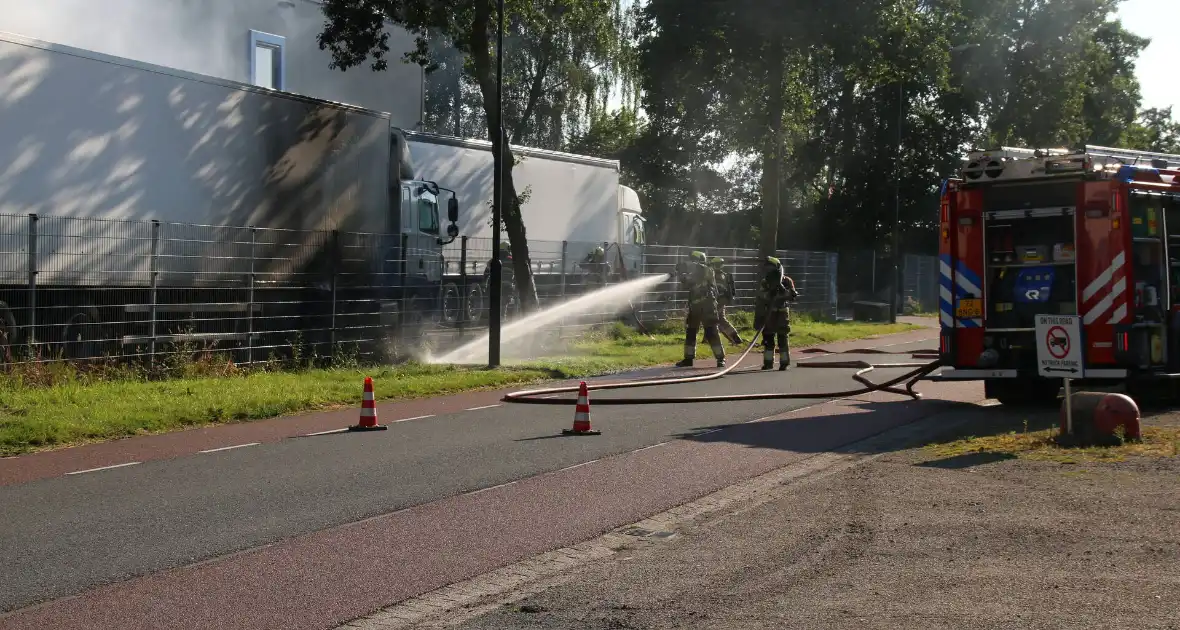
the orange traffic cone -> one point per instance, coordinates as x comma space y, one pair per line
368, 420
582, 414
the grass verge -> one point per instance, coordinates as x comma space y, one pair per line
1042, 446
52, 405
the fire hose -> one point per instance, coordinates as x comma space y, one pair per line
911, 378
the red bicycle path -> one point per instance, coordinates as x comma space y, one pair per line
55, 463
325, 578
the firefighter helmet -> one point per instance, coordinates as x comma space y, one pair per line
698, 257
716, 262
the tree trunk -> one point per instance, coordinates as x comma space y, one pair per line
480, 46
772, 149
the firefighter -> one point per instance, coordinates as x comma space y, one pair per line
726, 294
507, 279
771, 311
702, 308
596, 268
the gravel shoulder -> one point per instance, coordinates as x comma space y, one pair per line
906, 540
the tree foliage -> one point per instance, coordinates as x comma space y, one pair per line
818, 149
560, 56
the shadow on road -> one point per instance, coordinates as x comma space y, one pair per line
851, 422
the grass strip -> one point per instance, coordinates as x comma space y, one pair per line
46, 406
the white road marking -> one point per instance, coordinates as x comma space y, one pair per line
414, 418
229, 448
325, 432
503, 485
483, 407
578, 465
708, 432
647, 447
90, 470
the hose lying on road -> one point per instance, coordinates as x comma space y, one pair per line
545, 396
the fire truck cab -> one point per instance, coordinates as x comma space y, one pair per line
1093, 233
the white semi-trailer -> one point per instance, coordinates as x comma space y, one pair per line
115, 174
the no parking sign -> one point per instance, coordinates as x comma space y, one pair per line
1059, 346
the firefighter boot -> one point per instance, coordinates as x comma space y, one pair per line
768, 359
690, 347
715, 344
784, 356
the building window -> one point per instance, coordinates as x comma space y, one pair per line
267, 60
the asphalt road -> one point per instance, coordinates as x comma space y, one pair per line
62, 535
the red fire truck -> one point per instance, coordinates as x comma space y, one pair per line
1093, 233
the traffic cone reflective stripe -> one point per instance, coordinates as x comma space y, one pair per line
368, 421
582, 414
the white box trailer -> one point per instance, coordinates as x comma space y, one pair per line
88, 136
94, 148
572, 198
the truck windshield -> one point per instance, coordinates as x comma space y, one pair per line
428, 214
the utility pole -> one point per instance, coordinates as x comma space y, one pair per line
895, 249
497, 270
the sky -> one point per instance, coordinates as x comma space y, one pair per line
1157, 68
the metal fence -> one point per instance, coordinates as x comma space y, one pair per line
89, 289
921, 283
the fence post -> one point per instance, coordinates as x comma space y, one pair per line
564, 260
833, 283
464, 307
250, 300
873, 275
335, 266
154, 270
564, 254
32, 341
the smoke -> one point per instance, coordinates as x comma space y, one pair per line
186, 34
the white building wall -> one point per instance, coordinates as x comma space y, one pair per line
213, 37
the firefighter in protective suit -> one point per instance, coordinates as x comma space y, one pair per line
702, 308
771, 311
726, 294
507, 280
596, 268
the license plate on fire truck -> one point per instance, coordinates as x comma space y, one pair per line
969, 309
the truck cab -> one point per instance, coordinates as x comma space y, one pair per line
415, 265
1093, 233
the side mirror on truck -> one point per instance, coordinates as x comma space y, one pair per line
453, 231
452, 211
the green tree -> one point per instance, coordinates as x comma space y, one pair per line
559, 35
953, 73
1154, 130
558, 73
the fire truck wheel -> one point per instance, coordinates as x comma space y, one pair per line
1022, 393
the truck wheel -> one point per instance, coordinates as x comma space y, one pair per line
450, 306
83, 336
1022, 393
474, 305
8, 333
